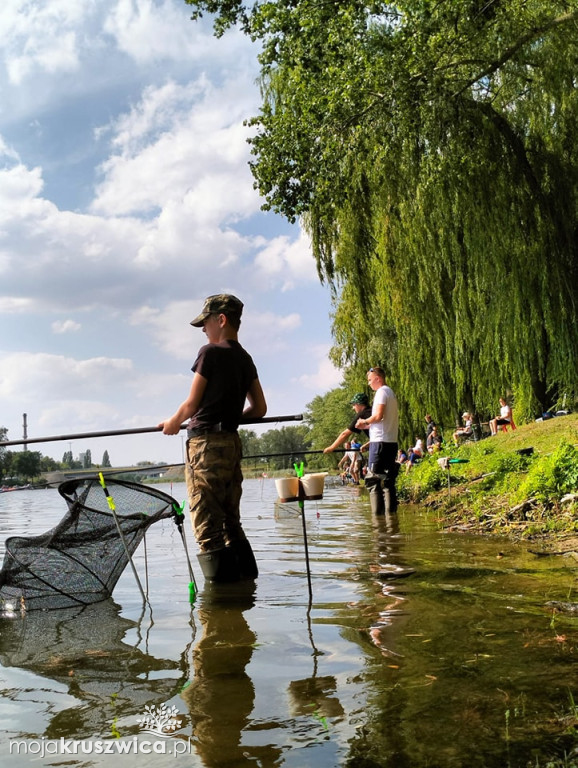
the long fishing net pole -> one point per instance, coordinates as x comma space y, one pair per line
133, 431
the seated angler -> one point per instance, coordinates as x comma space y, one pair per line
415, 453
434, 441
467, 430
504, 419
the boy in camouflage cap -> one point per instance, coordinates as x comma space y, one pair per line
224, 378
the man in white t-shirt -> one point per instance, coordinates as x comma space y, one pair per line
383, 428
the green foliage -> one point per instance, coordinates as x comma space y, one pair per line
552, 476
291, 442
424, 478
47, 464
329, 414
430, 150
501, 468
250, 442
105, 460
26, 464
6, 463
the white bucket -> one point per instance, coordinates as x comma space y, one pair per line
313, 484
287, 487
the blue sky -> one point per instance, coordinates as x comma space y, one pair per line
125, 199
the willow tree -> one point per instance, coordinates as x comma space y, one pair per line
429, 146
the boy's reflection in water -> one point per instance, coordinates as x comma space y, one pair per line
221, 694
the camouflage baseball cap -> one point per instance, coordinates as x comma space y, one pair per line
223, 303
359, 399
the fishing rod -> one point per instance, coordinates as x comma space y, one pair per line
134, 431
298, 453
145, 469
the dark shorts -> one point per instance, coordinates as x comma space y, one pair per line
382, 457
501, 422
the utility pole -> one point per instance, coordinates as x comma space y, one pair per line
24, 431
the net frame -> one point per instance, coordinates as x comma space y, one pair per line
79, 561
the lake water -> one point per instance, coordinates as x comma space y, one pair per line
419, 648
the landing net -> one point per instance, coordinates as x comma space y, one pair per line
80, 560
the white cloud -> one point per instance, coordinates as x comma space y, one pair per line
12, 305
181, 144
19, 190
85, 415
171, 330
171, 198
7, 151
148, 31
292, 258
41, 377
65, 326
325, 377
40, 37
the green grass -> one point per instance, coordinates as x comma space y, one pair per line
500, 489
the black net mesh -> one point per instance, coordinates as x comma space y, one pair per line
80, 560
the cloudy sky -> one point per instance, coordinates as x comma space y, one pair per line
125, 199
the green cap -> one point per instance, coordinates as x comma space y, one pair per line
359, 399
220, 303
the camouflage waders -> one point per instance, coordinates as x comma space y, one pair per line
214, 487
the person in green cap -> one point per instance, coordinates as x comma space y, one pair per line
360, 403
225, 388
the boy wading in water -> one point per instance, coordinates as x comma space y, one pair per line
224, 379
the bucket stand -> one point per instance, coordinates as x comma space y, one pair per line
299, 473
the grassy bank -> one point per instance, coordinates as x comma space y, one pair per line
522, 483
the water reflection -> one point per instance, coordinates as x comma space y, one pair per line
83, 650
389, 569
420, 649
220, 696
315, 695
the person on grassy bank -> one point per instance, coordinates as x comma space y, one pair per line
504, 419
524, 484
467, 430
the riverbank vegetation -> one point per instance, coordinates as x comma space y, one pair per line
522, 483
429, 150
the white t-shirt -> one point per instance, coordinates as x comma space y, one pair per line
385, 431
505, 412
352, 456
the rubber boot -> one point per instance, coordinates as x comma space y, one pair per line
219, 565
390, 500
245, 559
390, 491
376, 501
